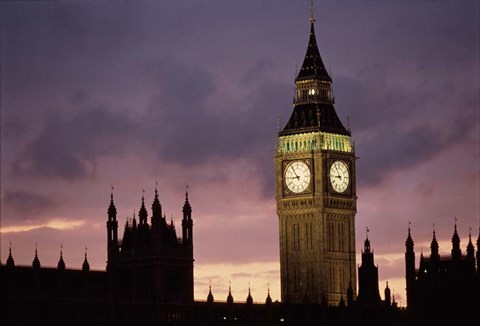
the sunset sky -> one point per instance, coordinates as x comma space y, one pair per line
128, 94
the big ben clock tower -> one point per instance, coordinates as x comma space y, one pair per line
315, 192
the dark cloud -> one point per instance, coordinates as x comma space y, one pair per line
68, 148
417, 92
190, 130
25, 203
384, 143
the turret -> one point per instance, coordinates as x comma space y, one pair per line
156, 214
368, 293
210, 295
409, 267
187, 223
268, 300
36, 261
10, 261
478, 254
456, 251
112, 231
470, 253
61, 262
249, 297
230, 296
388, 299
85, 265
434, 255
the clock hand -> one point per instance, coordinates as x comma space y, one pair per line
296, 175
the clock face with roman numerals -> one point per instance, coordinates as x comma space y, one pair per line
339, 176
297, 176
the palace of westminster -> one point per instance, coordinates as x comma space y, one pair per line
149, 274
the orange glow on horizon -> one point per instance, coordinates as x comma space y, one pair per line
57, 223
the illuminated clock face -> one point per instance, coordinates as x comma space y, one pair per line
297, 176
339, 176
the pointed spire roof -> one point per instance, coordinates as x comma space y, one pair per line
434, 255
85, 265
313, 67
36, 261
249, 296
229, 297
456, 251
10, 261
61, 262
313, 101
470, 247
156, 206
142, 213
186, 205
210, 295
409, 241
112, 210
268, 300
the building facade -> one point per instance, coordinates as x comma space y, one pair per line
315, 191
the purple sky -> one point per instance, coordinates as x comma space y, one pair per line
96, 94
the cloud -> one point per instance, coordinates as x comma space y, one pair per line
25, 203
67, 148
191, 121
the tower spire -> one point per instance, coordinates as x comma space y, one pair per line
312, 12
313, 67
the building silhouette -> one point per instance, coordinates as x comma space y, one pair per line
149, 271
151, 263
443, 285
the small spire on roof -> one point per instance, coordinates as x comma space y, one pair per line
61, 262
86, 265
36, 261
10, 261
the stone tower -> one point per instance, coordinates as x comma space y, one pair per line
315, 191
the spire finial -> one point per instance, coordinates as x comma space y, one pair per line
367, 230
111, 192
312, 12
